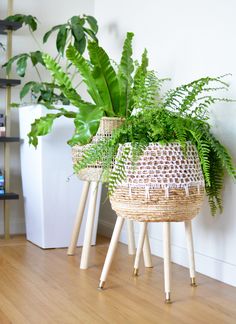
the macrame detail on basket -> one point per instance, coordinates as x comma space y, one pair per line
94, 172
164, 185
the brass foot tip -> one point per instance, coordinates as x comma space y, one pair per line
193, 282
101, 285
168, 300
135, 273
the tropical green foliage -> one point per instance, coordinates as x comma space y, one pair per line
112, 89
77, 31
21, 62
27, 20
179, 116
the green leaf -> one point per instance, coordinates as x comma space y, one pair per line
80, 45
31, 22
92, 23
36, 57
86, 125
64, 81
84, 69
26, 88
8, 64
142, 68
61, 39
57, 72
37, 87
76, 28
91, 34
77, 20
28, 20
21, 65
41, 127
47, 34
126, 67
75, 98
105, 79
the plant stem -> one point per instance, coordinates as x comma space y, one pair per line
36, 41
38, 73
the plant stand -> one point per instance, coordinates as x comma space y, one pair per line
166, 186
91, 177
166, 253
92, 201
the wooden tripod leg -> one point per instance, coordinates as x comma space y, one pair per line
111, 251
131, 239
167, 265
147, 252
89, 225
79, 218
190, 248
142, 234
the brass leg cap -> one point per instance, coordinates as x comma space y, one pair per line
168, 300
193, 282
135, 272
101, 285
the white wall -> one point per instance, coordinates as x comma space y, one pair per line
185, 40
49, 13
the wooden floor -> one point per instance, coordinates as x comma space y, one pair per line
46, 286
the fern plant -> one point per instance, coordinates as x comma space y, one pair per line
181, 115
112, 88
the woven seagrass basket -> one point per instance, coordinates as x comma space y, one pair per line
166, 185
93, 172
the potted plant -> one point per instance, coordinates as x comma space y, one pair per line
165, 154
77, 30
50, 202
174, 128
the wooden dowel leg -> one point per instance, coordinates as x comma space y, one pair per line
79, 218
147, 252
142, 234
190, 248
89, 225
111, 251
167, 256
131, 239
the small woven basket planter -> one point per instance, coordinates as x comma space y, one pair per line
94, 172
165, 185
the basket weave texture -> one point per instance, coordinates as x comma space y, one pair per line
165, 185
94, 172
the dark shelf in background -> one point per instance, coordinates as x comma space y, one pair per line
9, 196
9, 82
8, 25
9, 139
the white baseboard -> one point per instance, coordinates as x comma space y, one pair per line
214, 268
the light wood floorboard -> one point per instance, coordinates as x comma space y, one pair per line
46, 286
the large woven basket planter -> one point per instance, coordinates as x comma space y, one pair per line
94, 172
166, 185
